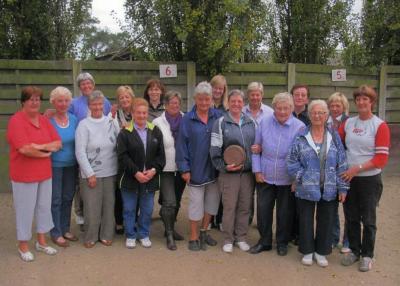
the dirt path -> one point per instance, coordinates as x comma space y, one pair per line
117, 265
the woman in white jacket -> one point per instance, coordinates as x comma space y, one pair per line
172, 184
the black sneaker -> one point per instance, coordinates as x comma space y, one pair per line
194, 245
282, 250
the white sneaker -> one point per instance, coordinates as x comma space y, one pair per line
46, 249
307, 259
130, 243
228, 248
345, 250
145, 242
79, 219
321, 260
243, 245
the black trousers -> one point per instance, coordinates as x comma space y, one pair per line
171, 190
360, 207
321, 242
267, 195
118, 208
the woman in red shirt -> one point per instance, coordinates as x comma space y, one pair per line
367, 140
32, 139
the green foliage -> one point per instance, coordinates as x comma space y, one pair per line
307, 31
97, 42
42, 29
210, 33
380, 30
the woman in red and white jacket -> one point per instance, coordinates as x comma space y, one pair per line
367, 140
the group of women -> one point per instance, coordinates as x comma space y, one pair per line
304, 157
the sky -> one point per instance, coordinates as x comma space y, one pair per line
103, 12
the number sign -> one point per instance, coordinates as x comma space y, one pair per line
339, 75
168, 71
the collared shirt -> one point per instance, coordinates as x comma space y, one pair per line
264, 111
79, 107
272, 160
303, 116
142, 132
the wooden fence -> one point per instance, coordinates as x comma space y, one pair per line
15, 74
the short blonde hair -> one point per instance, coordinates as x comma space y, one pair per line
138, 101
124, 89
315, 102
283, 97
339, 97
255, 85
60, 91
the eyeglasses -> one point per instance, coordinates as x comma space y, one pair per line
318, 113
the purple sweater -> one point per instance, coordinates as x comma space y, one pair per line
275, 140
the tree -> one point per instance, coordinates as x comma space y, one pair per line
96, 42
42, 29
380, 31
211, 33
307, 31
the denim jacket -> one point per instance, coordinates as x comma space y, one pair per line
304, 166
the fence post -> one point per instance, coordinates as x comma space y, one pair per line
382, 93
291, 76
190, 84
76, 70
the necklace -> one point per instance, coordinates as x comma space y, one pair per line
63, 122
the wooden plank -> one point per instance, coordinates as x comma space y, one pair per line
190, 84
266, 80
308, 68
128, 65
256, 67
122, 79
36, 79
382, 92
321, 80
291, 76
393, 117
393, 104
393, 92
35, 65
9, 92
393, 69
3, 125
9, 107
393, 81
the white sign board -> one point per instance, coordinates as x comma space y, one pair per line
339, 75
168, 71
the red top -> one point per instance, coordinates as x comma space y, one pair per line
20, 132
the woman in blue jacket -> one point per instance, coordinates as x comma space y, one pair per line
316, 161
194, 163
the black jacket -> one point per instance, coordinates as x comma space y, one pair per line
132, 157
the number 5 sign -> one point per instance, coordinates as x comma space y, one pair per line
168, 71
339, 75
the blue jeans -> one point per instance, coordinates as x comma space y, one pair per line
64, 179
146, 203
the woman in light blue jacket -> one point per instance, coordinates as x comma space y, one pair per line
315, 161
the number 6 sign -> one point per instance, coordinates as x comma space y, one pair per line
339, 75
168, 71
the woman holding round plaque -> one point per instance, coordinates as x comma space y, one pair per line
231, 140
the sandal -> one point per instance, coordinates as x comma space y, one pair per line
46, 249
89, 244
106, 242
71, 237
60, 243
26, 256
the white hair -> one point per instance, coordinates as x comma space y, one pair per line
319, 102
283, 97
60, 91
84, 76
203, 88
